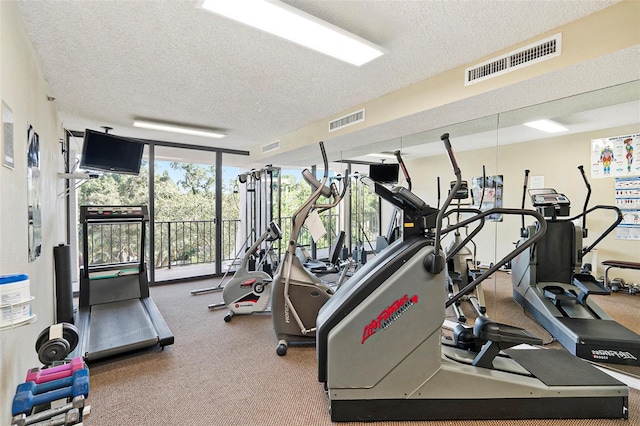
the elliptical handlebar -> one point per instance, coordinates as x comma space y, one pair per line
434, 262
319, 188
586, 201
484, 180
607, 231
405, 172
523, 230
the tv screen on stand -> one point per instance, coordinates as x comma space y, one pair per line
384, 173
110, 153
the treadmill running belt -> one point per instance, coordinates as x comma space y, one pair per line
118, 327
556, 367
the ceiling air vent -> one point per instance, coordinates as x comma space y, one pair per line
528, 55
347, 120
271, 146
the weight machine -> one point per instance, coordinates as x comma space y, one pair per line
260, 205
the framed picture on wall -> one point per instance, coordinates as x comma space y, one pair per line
7, 136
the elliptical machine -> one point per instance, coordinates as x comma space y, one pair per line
461, 260
388, 318
247, 291
549, 283
297, 294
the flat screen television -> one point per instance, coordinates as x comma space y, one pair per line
384, 173
115, 154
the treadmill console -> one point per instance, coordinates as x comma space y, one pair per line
113, 212
550, 203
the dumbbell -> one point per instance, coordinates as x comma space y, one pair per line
38, 375
37, 388
69, 409
27, 397
71, 417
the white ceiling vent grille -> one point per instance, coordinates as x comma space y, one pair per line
528, 55
347, 120
271, 146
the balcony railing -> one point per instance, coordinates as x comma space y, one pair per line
192, 242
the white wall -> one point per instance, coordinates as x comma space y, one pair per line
557, 160
23, 89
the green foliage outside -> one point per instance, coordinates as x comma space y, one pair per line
185, 208
185, 212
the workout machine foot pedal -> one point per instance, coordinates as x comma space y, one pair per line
498, 337
558, 294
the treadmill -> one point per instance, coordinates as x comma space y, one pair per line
115, 312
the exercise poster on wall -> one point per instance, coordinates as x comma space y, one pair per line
487, 192
614, 156
628, 201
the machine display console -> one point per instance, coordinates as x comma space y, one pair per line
113, 212
550, 203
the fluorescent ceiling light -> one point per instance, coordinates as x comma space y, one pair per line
294, 25
546, 126
177, 129
382, 155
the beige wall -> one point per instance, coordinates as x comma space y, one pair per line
596, 35
557, 160
23, 89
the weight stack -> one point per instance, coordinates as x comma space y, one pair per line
64, 287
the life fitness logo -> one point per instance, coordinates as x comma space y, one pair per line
389, 315
605, 354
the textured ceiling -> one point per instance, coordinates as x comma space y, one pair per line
108, 62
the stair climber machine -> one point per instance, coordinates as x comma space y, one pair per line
248, 292
461, 260
297, 294
381, 356
549, 283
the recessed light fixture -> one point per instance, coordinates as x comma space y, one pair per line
546, 126
177, 129
285, 21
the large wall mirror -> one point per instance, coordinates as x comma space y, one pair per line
493, 153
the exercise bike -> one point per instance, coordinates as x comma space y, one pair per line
297, 294
247, 292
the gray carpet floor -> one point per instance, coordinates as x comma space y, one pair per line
221, 373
